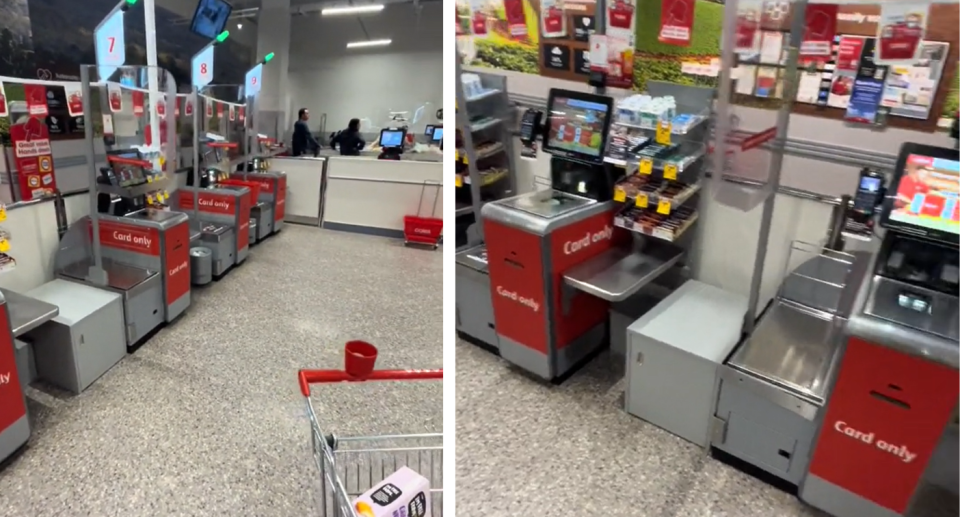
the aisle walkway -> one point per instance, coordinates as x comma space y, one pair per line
529, 448
206, 418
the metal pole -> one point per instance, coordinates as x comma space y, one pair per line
776, 161
196, 154
150, 24
95, 274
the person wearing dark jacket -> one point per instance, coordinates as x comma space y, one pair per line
303, 140
349, 140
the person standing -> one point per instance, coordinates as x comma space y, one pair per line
303, 140
349, 140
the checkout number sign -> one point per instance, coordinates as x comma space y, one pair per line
253, 81
203, 67
883, 423
12, 406
111, 48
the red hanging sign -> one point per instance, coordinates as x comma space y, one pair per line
188, 107
233, 114
74, 99
3, 102
820, 27
176, 107
137, 97
240, 114
148, 133
114, 98
34, 159
219, 110
36, 100
676, 22
162, 106
900, 32
209, 110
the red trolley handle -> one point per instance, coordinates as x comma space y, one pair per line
308, 377
224, 145
128, 161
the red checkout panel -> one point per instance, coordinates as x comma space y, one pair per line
14, 427
544, 325
890, 418
228, 205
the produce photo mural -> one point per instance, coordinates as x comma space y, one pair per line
497, 42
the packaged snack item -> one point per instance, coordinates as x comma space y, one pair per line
403, 493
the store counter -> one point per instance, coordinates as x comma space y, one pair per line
305, 182
372, 196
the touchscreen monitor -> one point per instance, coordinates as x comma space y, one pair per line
428, 132
210, 18
438, 134
926, 196
577, 124
391, 138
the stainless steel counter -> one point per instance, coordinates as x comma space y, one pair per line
27, 313
621, 272
792, 348
119, 276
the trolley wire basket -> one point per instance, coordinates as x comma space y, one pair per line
351, 465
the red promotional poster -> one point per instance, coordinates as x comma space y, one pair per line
848, 53
34, 159
115, 97
74, 99
621, 13
748, 30
219, 110
36, 97
148, 133
137, 98
820, 27
233, 113
676, 22
241, 115
188, 107
900, 32
209, 109
162, 106
516, 19
3, 102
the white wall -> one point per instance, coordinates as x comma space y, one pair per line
326, 77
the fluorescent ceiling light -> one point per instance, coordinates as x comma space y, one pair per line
371, 43
355, 9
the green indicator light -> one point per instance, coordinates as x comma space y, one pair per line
220, 37
131, 2
268, 57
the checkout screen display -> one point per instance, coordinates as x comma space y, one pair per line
577, 126
437, 134
391, 139
928, 194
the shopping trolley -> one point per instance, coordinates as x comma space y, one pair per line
351, 465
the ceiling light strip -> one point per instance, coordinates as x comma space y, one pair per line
371, 43
356, 9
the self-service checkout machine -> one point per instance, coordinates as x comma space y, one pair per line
131, 244
543, 325
887, 434
14, 424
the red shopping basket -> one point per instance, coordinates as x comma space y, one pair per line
424, 230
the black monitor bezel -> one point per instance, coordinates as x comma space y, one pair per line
906, 150
586, 97
403, 136
428, 131
196, 11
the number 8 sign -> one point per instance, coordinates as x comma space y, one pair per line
203, 67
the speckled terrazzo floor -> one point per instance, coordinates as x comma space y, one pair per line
529, 448
206, 418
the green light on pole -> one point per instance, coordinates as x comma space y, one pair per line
267, 58
131, 2
220, 37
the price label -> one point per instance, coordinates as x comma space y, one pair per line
646, 166
3, 213
4, 246
670, 171
663, 206
642, 200
459, 181
663, 132
619, 195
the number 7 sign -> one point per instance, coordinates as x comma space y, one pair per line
110, 45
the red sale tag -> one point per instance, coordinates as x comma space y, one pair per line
137, 98
36, 99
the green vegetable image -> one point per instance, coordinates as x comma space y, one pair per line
595, 141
